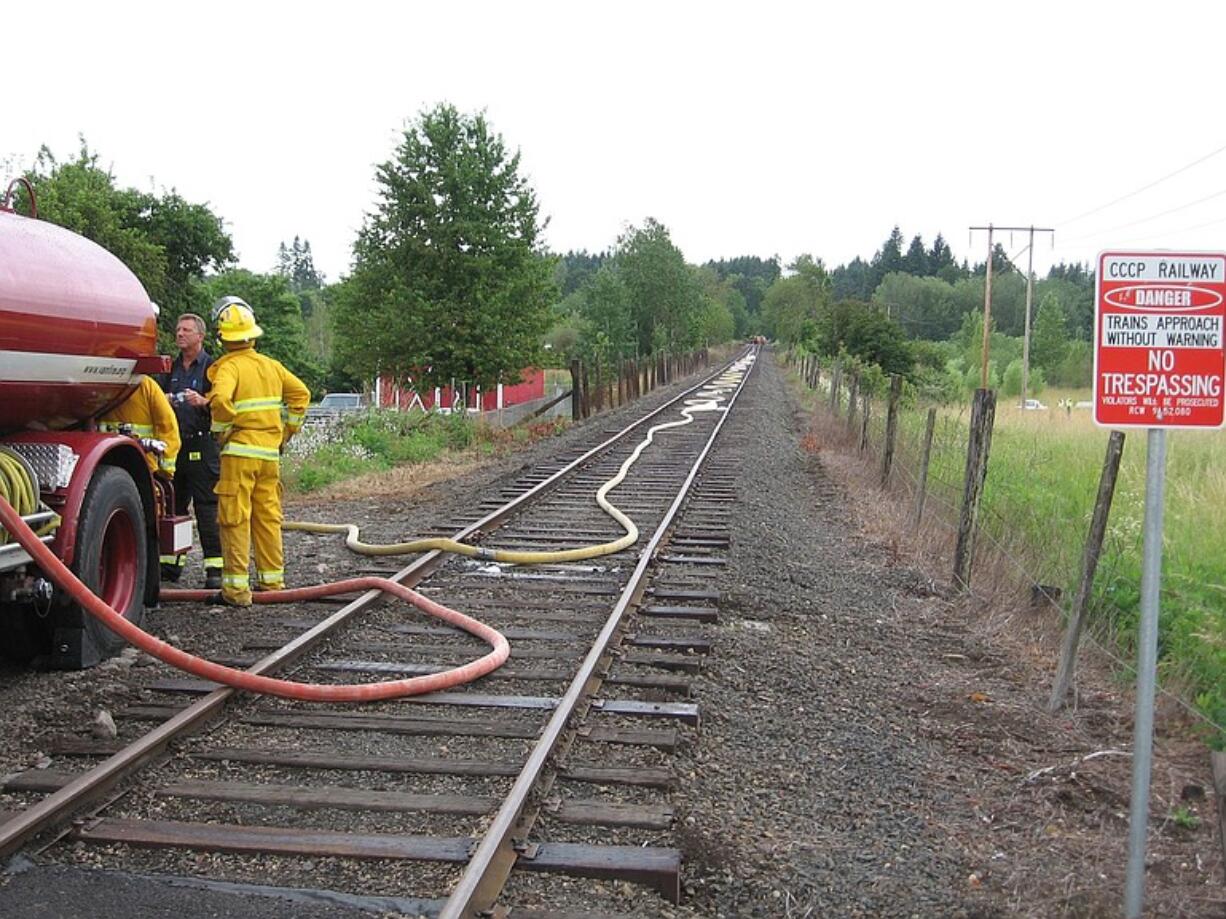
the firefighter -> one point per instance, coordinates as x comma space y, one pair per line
249, 393
146, 415
199, 462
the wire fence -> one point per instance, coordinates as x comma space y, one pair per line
1010, 515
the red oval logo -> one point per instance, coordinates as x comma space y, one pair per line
1163, 297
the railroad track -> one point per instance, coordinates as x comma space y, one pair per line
472, 802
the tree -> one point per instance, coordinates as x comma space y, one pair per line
297, 265
853, 281
751, 277
1049, 339
608, 314
924, 307
889, 257
790, 310
941, 262
448, 278
664, 296
864, 332
1000, 263
575, 269
915, 262
166, 241
1074, 286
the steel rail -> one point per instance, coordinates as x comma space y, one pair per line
55, 809
487, 871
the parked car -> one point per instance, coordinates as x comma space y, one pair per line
333, 406
1034, 405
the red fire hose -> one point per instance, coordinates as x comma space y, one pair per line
241, 679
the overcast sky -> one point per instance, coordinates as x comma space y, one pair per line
747, 129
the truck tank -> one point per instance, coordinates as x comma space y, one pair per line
74, 323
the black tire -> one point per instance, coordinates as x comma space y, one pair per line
110, 559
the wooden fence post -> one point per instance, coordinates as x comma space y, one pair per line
1089, 564
891, 429
978, 446
852, 392
921, 485
834, 388
587, 393
576, 390
866, 404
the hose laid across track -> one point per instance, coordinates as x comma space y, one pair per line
708, 400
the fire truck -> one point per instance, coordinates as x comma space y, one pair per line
77, 331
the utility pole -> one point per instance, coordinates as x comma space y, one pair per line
987, 310
1029, 300
987, 303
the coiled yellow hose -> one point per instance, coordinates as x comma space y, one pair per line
16, 488
708, 399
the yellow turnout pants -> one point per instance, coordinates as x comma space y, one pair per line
249, 506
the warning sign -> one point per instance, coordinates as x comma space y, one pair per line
1159, 357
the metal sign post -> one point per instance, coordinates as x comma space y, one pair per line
1159, 362
1147, 667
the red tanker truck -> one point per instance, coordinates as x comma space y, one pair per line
77, 330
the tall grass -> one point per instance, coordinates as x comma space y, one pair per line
1042, 481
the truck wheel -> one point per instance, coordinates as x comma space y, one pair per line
110, 559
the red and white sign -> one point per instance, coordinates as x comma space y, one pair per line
1159, 357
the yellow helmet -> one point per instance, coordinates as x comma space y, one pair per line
236, 322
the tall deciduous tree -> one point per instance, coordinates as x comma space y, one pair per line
448, 279
167, 242
606, 308
664, 295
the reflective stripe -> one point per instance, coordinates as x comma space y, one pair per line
179, 560
251, 452
257, 405
167, 465
114, 427
219, 427
236, 580
214, 562
294, 419
193, 455
271, 577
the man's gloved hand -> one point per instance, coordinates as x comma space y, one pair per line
153, 445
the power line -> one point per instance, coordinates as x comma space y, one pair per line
1133, 223
1197, 226
1170, 175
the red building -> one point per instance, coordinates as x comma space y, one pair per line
388, 394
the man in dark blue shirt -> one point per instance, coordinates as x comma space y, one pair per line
199, 463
